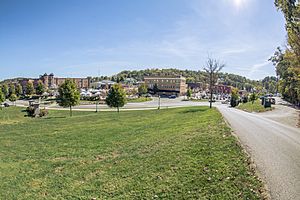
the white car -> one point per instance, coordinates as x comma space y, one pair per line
225, 101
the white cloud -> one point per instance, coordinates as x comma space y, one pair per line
257, 67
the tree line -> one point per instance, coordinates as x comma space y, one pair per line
193, 76
287, 60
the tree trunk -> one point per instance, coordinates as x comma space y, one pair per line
211, 95
118, 109
70, 111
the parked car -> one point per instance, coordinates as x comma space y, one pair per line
226, 101
172, 96
6, 104
272, 100
148, 95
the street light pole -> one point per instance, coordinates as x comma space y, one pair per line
97, 102
96, 106
158, 102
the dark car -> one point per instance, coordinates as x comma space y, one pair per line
6, 105
172, 96
272, 100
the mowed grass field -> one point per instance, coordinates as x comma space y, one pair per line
182, 153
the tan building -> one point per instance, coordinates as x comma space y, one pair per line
53, 82
175, 85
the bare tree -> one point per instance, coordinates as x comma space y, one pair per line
212, 68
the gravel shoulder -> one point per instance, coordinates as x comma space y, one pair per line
283, 113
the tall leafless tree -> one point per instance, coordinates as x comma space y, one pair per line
212, 68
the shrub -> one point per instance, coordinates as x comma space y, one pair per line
245, 99
234, 102
30, 111
253, 97
43, 112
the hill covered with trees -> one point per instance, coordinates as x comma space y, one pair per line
191, 76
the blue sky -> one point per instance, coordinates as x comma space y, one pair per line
78, 38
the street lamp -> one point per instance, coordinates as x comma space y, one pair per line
158, 102
97, 102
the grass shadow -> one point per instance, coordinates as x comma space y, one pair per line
60, 117
195, 110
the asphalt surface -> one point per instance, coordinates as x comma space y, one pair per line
164, 103
274, 147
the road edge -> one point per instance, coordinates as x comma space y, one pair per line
265, 193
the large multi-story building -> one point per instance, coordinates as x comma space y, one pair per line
52, 82
175, 85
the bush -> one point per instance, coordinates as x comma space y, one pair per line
253, 97
30, 111
43, 112
245, 99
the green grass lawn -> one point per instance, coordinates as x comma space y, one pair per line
182, 153
255, 107
138, 100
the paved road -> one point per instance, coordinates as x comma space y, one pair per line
275, 148
164, 103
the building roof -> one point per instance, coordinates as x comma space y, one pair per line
164, 77
106, 82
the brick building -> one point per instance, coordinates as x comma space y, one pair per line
52, 82
167, 85
222, 89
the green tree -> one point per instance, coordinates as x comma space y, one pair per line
40, 88
29, 88
5, 90
189, 93
234, 97
287, 62
68, 95
212, 68
13, 98
19, 90
253, 97
155, 89
116, 97
2, 98
12, 89
143, 89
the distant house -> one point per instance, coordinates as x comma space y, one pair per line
243, 93
130, 81
222, 89
174, 85
104, 84
197, 87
